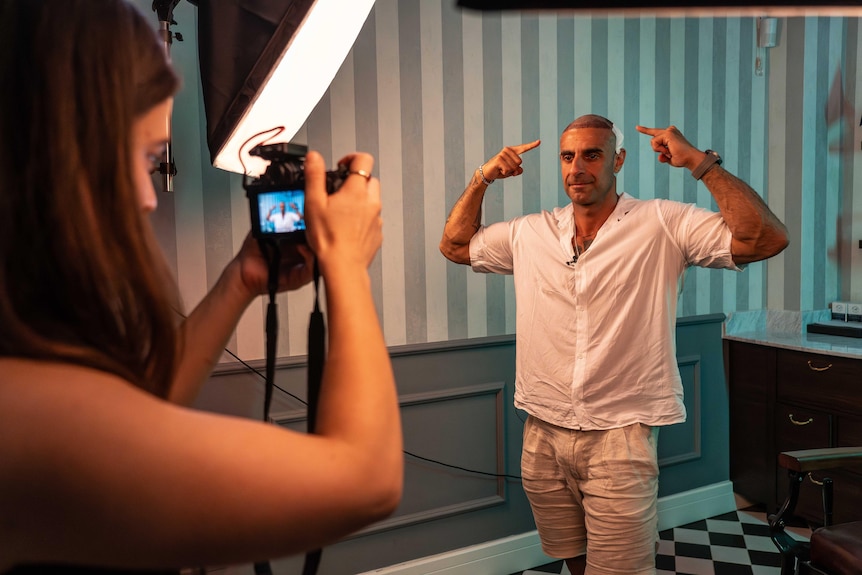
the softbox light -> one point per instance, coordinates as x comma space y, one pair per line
266, 63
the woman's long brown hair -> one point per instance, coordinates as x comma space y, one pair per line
82, 279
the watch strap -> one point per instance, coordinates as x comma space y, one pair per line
712, 159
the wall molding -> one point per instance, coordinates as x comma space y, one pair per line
523, 551
694, 415
294, 418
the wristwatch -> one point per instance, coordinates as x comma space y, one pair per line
712, 159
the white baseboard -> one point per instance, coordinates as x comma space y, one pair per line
506, 555
695, 504
523, 551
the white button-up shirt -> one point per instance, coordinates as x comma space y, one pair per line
595, 340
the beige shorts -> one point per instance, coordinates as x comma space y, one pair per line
594, 492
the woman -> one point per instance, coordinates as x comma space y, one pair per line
102, 465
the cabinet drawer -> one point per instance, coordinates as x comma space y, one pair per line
847, 504
831, 382
801, 428
847, 496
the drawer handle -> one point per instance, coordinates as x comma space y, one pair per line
814, 481
814, 368
794, 422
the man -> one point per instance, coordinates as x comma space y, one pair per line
282, 220
596, 289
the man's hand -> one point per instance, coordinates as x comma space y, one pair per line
672, 147
508, 162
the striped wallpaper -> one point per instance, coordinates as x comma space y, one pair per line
433, 91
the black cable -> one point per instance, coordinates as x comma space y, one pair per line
263, 377
489, 474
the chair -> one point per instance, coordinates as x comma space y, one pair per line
832, 549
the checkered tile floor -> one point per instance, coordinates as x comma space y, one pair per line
735, 543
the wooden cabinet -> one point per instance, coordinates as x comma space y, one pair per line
750, 372
784, 400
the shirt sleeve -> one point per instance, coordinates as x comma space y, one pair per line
492, 249
702, 235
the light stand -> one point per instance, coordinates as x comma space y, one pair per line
165, 11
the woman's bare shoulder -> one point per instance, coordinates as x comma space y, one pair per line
15, 369
33, 390
25, 380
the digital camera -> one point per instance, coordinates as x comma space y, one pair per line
277, 197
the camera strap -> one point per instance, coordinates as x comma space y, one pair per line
316, 357
269, 248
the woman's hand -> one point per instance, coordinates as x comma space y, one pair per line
295, 269
344, 227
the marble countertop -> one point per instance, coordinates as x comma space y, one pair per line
786, 329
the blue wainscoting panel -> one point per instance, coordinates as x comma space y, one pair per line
695, 453
462, 440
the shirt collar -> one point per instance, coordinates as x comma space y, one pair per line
566, 223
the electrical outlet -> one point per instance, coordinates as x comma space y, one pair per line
854, 312
839, 310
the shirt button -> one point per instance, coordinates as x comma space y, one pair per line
580, 356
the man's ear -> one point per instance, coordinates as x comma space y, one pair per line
619, 158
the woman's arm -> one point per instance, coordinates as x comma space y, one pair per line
98, 472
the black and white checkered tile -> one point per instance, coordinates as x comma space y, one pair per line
735, 543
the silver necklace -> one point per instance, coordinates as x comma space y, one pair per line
587, 244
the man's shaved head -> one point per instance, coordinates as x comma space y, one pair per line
591, 121
596, 121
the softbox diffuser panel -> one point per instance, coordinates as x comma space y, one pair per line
239, 43
265, 64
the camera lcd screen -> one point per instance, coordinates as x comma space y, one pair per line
281, 211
